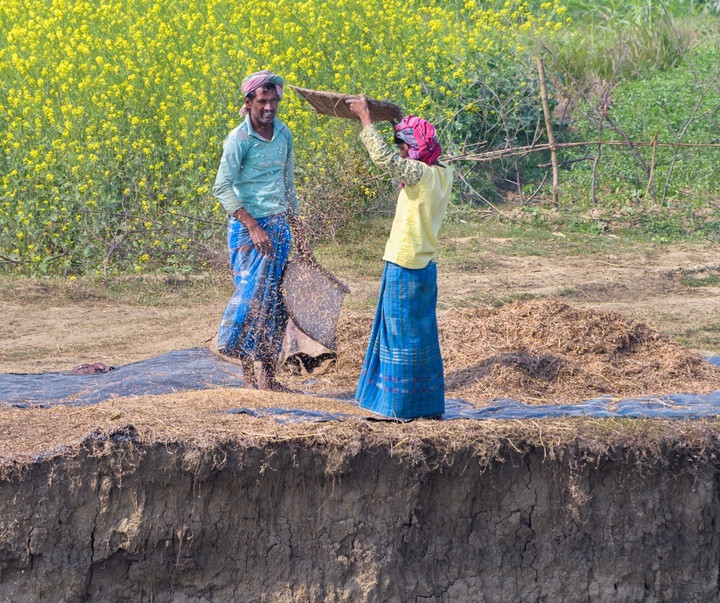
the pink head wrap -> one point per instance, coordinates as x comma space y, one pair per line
421, 137
259, 79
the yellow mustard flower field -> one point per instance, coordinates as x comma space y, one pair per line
113, 114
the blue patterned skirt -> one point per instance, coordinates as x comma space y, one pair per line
402, 375
254, 321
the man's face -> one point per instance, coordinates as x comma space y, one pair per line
263, 108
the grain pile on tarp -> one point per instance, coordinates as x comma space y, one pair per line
545, 351
537, 353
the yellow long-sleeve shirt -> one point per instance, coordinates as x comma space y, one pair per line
421, 205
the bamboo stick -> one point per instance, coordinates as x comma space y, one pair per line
652, 167
548, 126
503, 153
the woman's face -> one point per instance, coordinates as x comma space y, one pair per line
404, 149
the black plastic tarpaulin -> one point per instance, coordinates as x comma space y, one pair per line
181, 370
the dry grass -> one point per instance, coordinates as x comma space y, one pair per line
546, 351
542, 352
196, 418
197, 421
537, 352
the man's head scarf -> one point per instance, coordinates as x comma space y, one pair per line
421, 137
259, 79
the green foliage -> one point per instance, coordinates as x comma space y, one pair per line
613, 55
589, 227
114, 114
711, 280
498, 109
634, 71
681, 105
638, 11
500, 106
619, 41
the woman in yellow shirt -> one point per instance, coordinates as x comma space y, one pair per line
402, 375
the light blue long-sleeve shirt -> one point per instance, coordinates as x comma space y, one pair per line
257, 174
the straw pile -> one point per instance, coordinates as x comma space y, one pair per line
543, 352
197, 421
536, 352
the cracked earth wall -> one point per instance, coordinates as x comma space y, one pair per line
167, 523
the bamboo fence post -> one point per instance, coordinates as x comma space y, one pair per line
652, 167
548, 126
596, 163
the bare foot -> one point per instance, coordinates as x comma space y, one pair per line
248, 366
273, 385
267, 380
250, 384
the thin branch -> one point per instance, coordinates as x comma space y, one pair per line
652, 168
497, 209
593, 183
537, 190
523, 151
684, 130
548, 126
605, 102
564, 162
115, 245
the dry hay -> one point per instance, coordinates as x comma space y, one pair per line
542, 352
536, 352
547, 351
195, 417
197, 422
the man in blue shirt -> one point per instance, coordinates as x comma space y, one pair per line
256, 185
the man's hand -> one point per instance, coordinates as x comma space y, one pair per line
359, 106
261, 240
259, 237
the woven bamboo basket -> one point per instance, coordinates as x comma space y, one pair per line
313, 297
333, 103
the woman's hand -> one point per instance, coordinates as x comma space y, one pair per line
359, 106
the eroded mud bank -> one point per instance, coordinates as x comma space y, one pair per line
119, 520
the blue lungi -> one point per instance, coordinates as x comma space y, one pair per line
402, 375
254, 321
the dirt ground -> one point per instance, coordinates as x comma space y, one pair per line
44, 329
621, 324
567, 341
